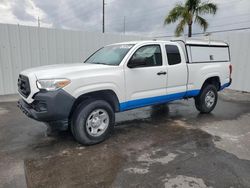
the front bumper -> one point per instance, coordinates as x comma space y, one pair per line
51, 107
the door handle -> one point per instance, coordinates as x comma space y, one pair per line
161, 73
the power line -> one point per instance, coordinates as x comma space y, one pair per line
216, 16
221, 25
226, 30
214, 26
215, 31
211, 25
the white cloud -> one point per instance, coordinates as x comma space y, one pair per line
23, 12
142, 17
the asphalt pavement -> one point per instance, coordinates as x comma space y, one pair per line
161, 146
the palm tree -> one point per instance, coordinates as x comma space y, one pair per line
189, 13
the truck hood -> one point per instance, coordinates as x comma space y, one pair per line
63, 70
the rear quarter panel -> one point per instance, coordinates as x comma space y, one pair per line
200, 72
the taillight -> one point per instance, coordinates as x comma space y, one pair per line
230, 69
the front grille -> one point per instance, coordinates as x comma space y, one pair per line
23, 86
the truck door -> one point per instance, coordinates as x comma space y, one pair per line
177, 71
145, 77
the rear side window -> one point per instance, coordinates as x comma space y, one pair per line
173, 54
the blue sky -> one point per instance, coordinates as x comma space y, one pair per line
142, 17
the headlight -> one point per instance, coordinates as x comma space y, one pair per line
52, 84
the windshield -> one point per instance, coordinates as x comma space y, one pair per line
110, 55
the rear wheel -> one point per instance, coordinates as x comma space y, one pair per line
206, 101
93, 122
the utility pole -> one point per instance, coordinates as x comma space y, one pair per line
124, 25
103, 16
38, 21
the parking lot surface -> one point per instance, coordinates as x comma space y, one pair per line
161, 146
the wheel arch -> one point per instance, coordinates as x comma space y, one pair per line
106, 95
215, 80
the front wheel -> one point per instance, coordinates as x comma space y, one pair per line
93, 122
206, 101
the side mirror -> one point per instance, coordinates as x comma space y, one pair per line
140, 62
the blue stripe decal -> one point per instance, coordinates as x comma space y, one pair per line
192, 93
225, 85
156, 100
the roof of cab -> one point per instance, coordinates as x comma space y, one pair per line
136, 42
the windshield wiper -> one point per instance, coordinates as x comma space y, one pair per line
102, 63
99, 63
96, 63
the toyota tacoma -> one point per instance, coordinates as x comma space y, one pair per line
84, 97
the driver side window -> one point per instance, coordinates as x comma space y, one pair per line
148, 56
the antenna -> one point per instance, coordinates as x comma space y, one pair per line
124, 25
103, 16
207, 35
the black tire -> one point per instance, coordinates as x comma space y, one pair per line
79, 121
200, 100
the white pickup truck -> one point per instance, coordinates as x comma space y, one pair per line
124, 76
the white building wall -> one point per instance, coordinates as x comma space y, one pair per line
240, 57
22, 47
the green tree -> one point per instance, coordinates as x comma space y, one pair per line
189, 13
